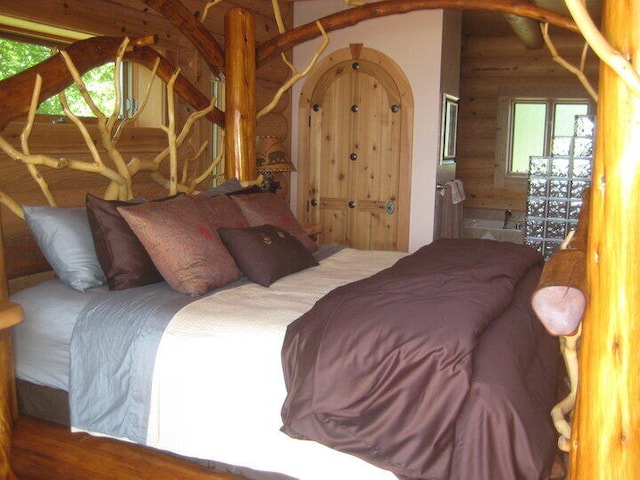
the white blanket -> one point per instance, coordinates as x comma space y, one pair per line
218, 385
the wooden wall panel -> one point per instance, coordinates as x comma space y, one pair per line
101, 17
135, 19
491, 67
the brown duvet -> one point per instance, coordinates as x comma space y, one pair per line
435, 368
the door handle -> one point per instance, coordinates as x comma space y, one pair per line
314, 202
352, 204
389, 207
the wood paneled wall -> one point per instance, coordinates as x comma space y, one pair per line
134, 19
496, 66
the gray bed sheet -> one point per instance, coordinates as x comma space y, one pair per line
41, 341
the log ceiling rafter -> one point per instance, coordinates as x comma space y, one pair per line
352, 16
89, 55
207, 46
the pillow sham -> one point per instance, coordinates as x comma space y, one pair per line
220, 211
267, 208
123, 258
64, 237
266, 253
184, 247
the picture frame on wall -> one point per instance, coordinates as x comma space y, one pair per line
449, 128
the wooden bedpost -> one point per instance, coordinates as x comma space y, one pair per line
10, 315
240, 95
606, 429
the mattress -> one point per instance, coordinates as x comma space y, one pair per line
47, 332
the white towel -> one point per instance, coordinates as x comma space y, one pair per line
457, 191
458, 194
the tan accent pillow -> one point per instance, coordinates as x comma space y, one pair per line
267, 208
183, 245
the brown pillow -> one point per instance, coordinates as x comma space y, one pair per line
123, 259
267, 208
266, 253
220, 211
184, 247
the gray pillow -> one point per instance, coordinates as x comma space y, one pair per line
64, 237
228, 186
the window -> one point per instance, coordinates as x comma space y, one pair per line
17, 55
528, 126
217, 132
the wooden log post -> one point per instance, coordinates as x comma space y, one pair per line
10, 315
560, 299
240, 95
606, 429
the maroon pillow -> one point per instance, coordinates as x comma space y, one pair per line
123, 259
184, 247
220, 211
266, 253
267, 208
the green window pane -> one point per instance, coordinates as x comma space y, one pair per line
18, 56
565, 118
528, 135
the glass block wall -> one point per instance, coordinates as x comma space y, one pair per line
555, 187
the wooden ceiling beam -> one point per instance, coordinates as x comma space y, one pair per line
352, 16
192, 28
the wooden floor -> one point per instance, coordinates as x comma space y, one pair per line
46, 451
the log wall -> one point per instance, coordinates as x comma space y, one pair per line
134, 19
493, 67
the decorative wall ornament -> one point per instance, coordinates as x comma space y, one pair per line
449, 128
271, 158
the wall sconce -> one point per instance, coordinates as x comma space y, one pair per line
271, 157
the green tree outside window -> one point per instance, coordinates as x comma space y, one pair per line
17, 56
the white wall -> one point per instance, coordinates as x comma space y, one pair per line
414, 41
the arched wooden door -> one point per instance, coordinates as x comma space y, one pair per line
357, 182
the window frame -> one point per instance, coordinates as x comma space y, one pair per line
37, 34
503, 177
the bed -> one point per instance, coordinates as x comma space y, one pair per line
357, 364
